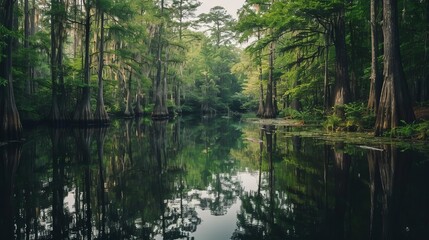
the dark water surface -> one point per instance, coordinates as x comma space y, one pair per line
208, 179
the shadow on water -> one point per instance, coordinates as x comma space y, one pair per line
208, 179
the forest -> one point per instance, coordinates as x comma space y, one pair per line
349, 65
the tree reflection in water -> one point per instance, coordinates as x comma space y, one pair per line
9, 161
389, 173
175, 180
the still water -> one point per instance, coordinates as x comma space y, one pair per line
208, 179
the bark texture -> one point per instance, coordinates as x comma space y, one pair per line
160, 110
10, 123
269, 111
261, 105
342, 85
83, 114
375, 79
101, 115
58, 19
395, 104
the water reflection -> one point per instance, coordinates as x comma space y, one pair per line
389, 178
10, 157
208, 179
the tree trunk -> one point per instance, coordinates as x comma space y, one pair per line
424, 93
54, 55
261, 106
296, 104
342, 88
10, 123
375, 79
101, 115
83, 114
57, 77
269, 108
326, 90
395, 104
27, 47
138, 110
127, 86
160, 110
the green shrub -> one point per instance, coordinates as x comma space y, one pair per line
305, 115
332, 122
350, 117
411, 131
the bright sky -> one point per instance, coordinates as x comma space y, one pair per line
230, 5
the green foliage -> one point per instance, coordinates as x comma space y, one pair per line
3, 82
332, 122
356, 118
410, 131
354, 113
307, 115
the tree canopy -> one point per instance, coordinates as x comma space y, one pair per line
81, 61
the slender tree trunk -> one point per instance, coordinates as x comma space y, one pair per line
127, 85
424, 93
177, 100
296, 104
83, 114
32, 31
375, 79
55, 113
261, 106
326, 90
395, 104
27, 47
269, 108
138, 110
275, 106
101, 115
10, 123
342, 85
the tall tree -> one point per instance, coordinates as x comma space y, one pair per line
185, 9
10, 123
83, 114
375, 79
270, 102
261, 105
342, 88
219, 24
27, 46
269, 110
58, 18
251, 24
100, 112
395, 104
160, 110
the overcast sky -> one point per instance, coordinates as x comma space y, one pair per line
230, 5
